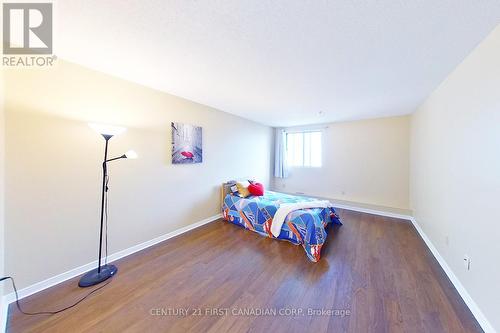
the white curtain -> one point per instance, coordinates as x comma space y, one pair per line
280, 164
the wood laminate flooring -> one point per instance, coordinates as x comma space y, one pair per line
375, 275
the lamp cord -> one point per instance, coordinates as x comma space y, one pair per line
18, 304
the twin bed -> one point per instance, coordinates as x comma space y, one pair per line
304, 226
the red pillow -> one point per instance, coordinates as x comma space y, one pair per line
256, 189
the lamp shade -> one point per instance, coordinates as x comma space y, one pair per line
131, 154
107, 129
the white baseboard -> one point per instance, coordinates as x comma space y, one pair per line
373, 211
359, 207
478, 314
39, 286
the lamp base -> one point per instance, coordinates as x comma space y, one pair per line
93, 277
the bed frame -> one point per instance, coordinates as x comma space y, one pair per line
225, 190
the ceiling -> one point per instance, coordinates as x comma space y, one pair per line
281, 63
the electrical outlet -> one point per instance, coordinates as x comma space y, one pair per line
343, 192
467, 262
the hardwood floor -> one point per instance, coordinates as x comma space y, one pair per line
376, 269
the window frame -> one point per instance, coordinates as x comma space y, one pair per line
303, 132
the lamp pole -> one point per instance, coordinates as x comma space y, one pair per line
102, 273
104, 190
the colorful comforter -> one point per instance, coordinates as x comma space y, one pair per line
304, 226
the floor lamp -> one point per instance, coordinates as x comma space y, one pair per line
104, 272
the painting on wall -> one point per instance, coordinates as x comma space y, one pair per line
186, 144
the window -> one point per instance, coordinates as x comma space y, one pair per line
303, 149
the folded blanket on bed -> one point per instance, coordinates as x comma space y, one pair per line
287, 208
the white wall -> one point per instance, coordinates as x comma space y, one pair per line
455, 174
363, 161
53, 167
